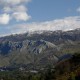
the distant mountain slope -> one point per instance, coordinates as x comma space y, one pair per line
26, 52
51, 36
38, 49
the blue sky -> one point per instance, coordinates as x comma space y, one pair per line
19, 16
42, 10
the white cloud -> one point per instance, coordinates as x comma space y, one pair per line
15, 2
78, 9
16, 9
4, 18
7, 9
21, 16
68, 23
65, 24
20, 8
19, 13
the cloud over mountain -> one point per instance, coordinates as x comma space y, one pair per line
65, 24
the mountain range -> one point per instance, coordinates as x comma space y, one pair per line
38, 49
